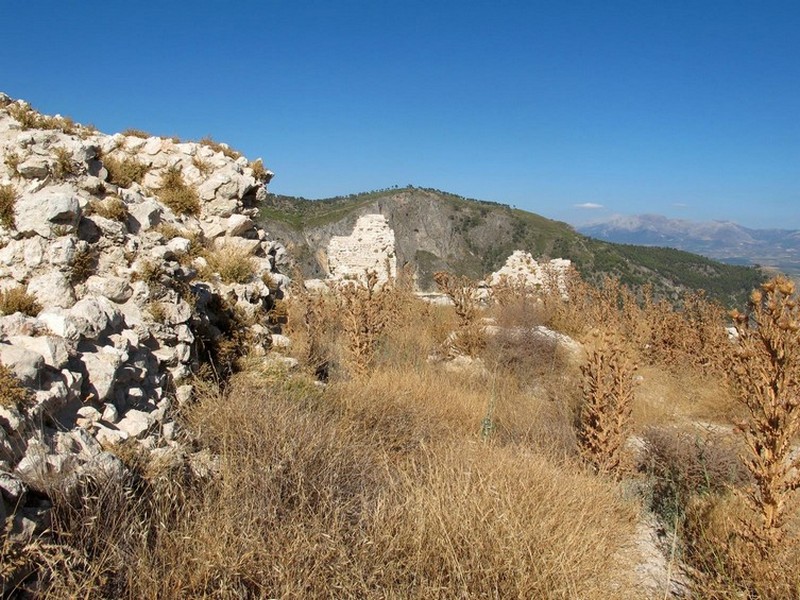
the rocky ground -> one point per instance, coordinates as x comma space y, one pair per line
113, 291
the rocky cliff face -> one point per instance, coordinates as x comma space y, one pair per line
125, 261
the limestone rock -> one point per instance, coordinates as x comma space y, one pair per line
54, 350
38, 213
52, 289
25, 364
115, 289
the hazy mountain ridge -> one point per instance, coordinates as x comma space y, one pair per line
440, 231
722, 240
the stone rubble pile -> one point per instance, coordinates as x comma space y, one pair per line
123, 296
522, 269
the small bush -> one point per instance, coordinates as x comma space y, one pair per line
12, 161
83, 265
687, 465
8, 198
201, 165
177, 195
24, 114
232, 264
65, 165
157, 312
17, 299
766, 371
124, 172
149, 271
136, 133
219, 147
605, 416
259, 172
12, 392
110, 208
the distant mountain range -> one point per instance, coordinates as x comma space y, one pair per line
722, 240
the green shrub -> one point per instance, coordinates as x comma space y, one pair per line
8, 198
177, 195
17, 299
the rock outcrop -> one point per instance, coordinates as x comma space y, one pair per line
521, 269
123, 260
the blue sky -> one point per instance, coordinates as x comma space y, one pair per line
575, 110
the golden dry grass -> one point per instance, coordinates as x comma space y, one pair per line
124, 171
8, 199
17, 299
407, 480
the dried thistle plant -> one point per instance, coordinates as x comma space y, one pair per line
766, 373
366, 310
605, 416
464, 294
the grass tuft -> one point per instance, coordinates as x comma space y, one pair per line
123, 172
17, 299
177, 195
8, 199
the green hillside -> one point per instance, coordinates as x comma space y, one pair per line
436, 230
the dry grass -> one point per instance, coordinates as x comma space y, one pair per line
65, 165
259, 171
125, 171
306, 503
230, 263
405, 480
8, 199
727, 565
12, 161
664, 396
111, 207
12, 392
216, 146
139, 133
17, 299
177, 195
29, 118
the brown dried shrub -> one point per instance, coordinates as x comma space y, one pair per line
766, 373
17, 299
605, 415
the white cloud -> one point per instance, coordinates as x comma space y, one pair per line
589, 205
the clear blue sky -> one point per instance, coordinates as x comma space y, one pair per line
685, 108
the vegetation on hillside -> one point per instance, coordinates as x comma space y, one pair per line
516, 471
489, 232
